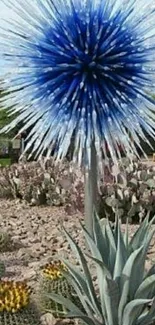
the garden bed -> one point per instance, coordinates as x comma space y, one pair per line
37, 237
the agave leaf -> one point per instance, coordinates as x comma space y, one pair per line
96, 253
126, 279
110, 235
102, 266
148, 317
126, 236
99, 238
121, 254
151, 222
110, 238
147, 240
146, 287
102, 272
133, 309
77, 276
65, 302
111, 298
85, 301
136, 276
139, 235
78, 279
92, 246
85, 268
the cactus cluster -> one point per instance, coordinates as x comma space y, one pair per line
131, 194
53, 280
15, 307
41, 183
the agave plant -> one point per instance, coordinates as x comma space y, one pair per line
126, 291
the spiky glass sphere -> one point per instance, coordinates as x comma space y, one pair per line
81, 72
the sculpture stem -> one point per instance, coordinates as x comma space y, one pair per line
91, 191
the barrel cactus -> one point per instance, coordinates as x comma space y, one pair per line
5, 242
2, 269
52, 280
126, 290
15, 306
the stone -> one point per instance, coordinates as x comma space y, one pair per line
48, 319
49, 237
29, 275
23, 253
16, 238
34, 240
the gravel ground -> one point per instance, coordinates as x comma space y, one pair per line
37, 236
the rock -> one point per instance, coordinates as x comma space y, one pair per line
49, 237
19, 222
29, 275
12, 223
34, 240
18, 232
55, 240
35, 230
48, 319
16, 238
37, 264
23, 253
37, 251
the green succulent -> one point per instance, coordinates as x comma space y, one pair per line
126, 291
15, 305
52, 280
27, 316
2, 269
5, 242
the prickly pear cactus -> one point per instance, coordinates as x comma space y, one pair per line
2, 269
15, 307
52, 280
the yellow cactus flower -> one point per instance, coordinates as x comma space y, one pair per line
53, 270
